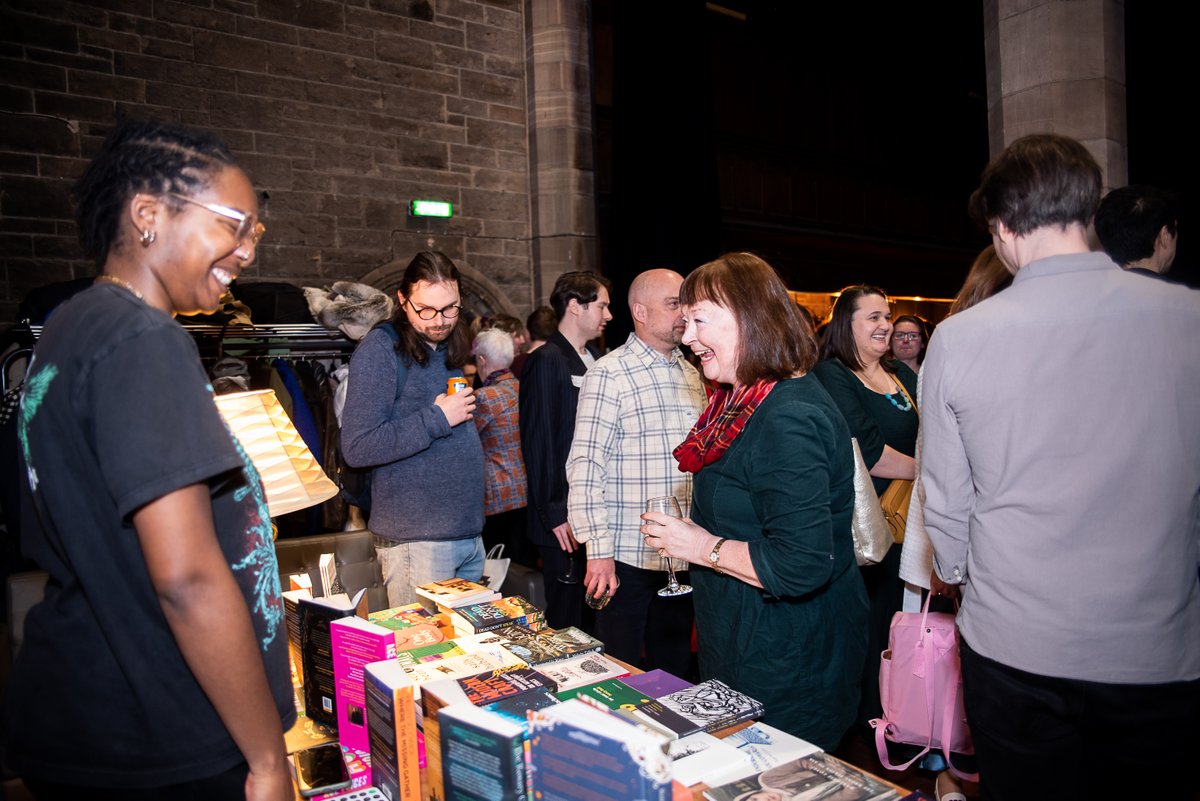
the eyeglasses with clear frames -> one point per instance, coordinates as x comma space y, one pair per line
248, 230
906, 336
428, 312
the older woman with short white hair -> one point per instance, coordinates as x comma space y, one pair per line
499, 431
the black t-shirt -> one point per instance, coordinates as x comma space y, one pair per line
117, 412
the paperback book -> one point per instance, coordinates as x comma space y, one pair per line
579, 671
577, 751
490, 615
517, 707
712, 705
392, 730
291, 614
429, 653
657, 683
483, 755
612, 693
316, 650
486, 688
811, 777
549, 645
700, 756
356, 642
414, 625
454, 667
449, 593
765, 747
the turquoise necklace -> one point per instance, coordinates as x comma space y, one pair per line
906, 406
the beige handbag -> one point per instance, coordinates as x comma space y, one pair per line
872, 534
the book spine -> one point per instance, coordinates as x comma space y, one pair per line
392, 738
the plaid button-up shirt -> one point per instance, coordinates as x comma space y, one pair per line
496, 419
635, 406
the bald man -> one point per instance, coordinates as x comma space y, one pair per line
635, 406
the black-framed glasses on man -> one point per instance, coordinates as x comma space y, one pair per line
905, 336
428, 312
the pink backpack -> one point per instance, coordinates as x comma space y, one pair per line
920, 685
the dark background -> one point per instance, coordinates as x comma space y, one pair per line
839, 142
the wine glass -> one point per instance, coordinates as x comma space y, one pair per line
667, 505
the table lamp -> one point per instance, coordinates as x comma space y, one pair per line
291, 477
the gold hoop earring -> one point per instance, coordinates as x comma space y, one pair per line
147, 238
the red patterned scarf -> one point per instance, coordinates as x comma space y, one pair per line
719, 425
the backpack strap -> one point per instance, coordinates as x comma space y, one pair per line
401, 368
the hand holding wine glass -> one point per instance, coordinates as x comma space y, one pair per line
668, 505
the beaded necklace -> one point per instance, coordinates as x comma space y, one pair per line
892, 400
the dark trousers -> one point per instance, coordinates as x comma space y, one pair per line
508, 529
564, 602
227, 786
636, 618
1046, 737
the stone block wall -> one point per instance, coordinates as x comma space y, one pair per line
340, 112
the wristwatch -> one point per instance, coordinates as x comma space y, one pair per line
714, 556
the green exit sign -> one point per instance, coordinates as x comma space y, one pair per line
430, 208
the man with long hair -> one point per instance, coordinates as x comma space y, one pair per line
427, 478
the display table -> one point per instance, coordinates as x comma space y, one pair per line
696, 791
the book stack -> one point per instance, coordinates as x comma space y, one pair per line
548, 645
577, 751
448, 594
414, 625
487, 688
477, 618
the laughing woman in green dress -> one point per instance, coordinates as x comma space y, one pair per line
780, 607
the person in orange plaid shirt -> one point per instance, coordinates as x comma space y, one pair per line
496, 419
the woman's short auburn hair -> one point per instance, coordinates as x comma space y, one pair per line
774, 343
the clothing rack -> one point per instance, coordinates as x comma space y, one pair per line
264, 341
270, 341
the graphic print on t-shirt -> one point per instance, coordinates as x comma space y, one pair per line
31, 400
259, 545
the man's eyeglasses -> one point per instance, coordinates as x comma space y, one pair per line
248, 230
428, 312
906, 336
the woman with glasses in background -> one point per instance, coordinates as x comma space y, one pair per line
156, 666
908, 341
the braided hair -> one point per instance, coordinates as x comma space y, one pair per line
141, 156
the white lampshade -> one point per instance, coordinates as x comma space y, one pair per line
290, 475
